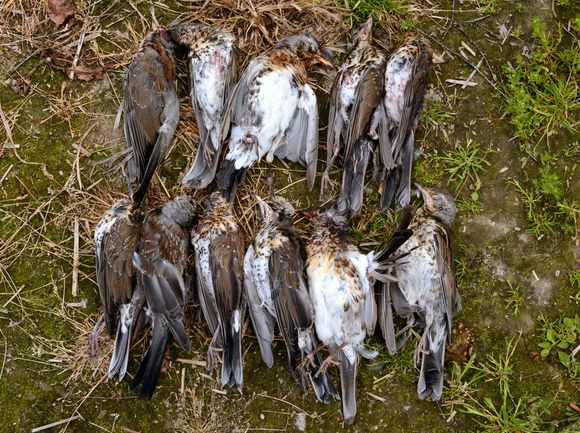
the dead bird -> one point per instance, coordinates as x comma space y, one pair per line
273, 112
162, 263
341, 281
354, 98
425, 286
218, 243
406, 78
277, 293
213, 64
150, 108
117, 237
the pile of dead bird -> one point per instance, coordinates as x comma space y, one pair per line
320, 293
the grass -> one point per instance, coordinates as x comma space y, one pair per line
560, 337
516, 297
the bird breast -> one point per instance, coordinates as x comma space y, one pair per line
398, 74
209, 70
350, 79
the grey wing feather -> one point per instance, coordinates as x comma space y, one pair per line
451, 300
206, 292
262, 320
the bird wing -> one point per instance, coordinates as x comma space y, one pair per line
335, 121
292, 302
367, 96
205, 283
261, 319
302, 135
237, 98
446, 274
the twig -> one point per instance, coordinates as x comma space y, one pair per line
75, 270
13, 296
56, 423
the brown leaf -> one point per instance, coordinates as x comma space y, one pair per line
87, 72
60, 10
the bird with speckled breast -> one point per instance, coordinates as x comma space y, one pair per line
117, 237
272, 111
277, 294
213, 63
150, 108
161, 262
424, 288
341, 281
218, 243
406, 78
354, 98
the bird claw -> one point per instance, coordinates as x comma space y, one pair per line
325, 184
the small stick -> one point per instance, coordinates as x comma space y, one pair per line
7, 172
75, 271
13, 296
462, 82
376, 397
182, 380
56, 423
468, 48
473, 73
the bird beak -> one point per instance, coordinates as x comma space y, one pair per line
426, 195
321, 59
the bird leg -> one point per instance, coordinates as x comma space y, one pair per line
211, 357
309, 359
94, 337
329, 360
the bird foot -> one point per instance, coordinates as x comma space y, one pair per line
325, 184
329, 361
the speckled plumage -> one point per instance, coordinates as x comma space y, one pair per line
276, 289
162, 264
116, 239
341, 287
426, 286
218, 243
354, 98
406, 78
150, 108
272, 112
213, 63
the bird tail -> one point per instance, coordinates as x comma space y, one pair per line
150, 366
404, 191
389, 186
129, 315
386, 318
348, 373
353, 180
321, 382
232, 370
205, 164
431, 376
162, 143
229, 178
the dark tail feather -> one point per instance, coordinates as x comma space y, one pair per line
150, 366
348, 385
229, 177
386, 319
148, 175
322, 385
431, 377
389, 184
232, 371
404, 191
204, 166
353, 180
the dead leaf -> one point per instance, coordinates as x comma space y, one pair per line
87, 72
60, 10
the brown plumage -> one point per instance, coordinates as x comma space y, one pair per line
277, 293
150, 108
162, 265
218, 242
354, 98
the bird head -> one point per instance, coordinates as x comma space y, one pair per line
182, 209
362, 35
330, 219
438, 203
275, 209
184, 34
307, 49
216, 200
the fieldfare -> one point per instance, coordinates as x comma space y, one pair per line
218, 242
425, 287
150, 107
277, 293
272, 111
162, 265
213, 63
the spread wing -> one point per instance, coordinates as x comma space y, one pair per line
261, 319
302, 135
